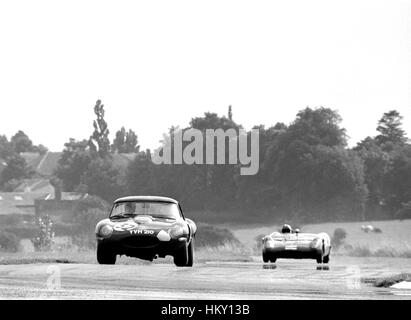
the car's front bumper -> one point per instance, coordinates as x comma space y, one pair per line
143, 247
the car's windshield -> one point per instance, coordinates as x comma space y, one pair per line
154, 209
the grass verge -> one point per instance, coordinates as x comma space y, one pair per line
386, 282
226, 252
365, 251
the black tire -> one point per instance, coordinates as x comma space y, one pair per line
181, 257
320, 258
190, 261
104, 255
265, 258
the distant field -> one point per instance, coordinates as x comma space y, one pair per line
396, 234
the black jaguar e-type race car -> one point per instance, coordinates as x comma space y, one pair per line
146, 227
292, 244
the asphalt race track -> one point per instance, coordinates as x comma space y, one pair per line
287, 279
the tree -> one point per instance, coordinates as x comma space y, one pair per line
320, 182
99, 141
102, 179
317, 126
141, 174
15, 169
230, 113
40, 149
390, 129
125, 142
376, 166
131, 143
6, 148
73, 163
213, 186
21, 142
397, 180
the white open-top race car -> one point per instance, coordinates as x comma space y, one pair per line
293, 244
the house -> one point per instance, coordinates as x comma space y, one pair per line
37, 195
21, 203
57, 209
34, 203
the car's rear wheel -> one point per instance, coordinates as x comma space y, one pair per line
181, 257
320, 257
105, 255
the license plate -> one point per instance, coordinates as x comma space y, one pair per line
290, 246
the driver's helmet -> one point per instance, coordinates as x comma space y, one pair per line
130, 207
286, 228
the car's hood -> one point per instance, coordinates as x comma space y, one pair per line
138, 222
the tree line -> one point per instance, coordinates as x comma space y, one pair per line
307, 171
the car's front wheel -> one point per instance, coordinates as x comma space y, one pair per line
105, 255
181, 257
190, 261
265, 257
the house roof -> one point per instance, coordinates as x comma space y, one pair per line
35, 185
46, 164
32, 158
69, 196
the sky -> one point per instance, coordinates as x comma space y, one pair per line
155, 64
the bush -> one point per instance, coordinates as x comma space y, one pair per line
91, 202
405, 211
360, 251
28, 232
83, 234
208, 235
258, 242
45, 236
9, 241
86, 214
12, 220
338, 238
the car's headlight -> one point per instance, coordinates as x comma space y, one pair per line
269, 242
177, 231
315, 243
106, 231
